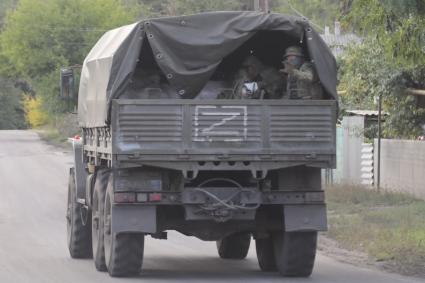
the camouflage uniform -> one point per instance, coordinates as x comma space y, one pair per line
268, 81
273, 83
302, 82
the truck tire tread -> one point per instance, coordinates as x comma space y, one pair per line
235, 246
79, 241
295, 253
265, 254
126, 255
102, 177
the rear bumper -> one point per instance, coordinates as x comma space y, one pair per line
301, 211
192, 196
257, 164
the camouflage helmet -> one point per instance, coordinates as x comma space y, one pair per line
294, 51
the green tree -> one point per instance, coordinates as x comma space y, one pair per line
390, 59
320, 12
195, 6
5, 6
41, 36
185, 7
12, 115
11, 110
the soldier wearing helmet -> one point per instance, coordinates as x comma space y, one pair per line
257, 81
248, 79
301, 77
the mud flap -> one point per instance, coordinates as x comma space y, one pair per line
305, 218
80, 173
133, 218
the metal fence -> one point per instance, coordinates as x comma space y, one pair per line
367, 165
403, 166
402, 161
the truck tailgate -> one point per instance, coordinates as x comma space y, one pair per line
226, 127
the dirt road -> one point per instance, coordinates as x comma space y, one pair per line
33, 181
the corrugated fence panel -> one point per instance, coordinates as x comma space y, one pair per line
367, 164
403, 166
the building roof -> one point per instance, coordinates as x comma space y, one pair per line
373, 113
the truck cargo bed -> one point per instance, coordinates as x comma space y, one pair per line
262, 130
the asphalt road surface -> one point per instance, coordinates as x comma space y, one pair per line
33, 186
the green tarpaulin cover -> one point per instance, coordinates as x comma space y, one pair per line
188, 49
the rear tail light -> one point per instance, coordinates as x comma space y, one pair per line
155, 197
125, 197
130, 197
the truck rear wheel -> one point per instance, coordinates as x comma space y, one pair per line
295, 252
235, 246
78, 224
265, 254
123, 252
98, 203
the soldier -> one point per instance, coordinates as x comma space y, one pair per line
256, 81
273, 83
302, 79
247, 82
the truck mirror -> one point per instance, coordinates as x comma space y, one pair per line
67, 90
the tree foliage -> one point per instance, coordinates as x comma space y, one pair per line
195, 6
11, 110
35, 117
12, 114
390, 59
41, 36
397, 26
366, 74
186, 7
320, 12
5, 6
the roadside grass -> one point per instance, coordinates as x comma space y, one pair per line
59, 129
51, 135
389, 227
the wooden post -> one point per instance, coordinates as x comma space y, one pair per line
264, 5
256, 5
261, 5
378, 177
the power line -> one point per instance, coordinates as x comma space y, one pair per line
74, 43
70, 29
64, 43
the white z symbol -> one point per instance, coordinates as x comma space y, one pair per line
209, 133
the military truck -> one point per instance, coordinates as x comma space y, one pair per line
159, 152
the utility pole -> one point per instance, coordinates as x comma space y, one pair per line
378, 179
261, 5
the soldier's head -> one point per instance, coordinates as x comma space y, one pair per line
294, 55
252, 66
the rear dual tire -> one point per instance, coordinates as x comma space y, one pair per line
265, 254
291, 253
78, 223
124, 251
98, 203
